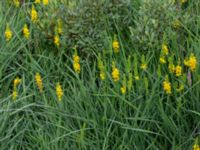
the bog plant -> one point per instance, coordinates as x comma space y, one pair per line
98, 75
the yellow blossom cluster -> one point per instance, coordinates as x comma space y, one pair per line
16, 82
191, 62
39, 83
8, 33
26, 31
196, 147
59, 91
57, 40
34, 14
115, 73
115, 45
76, 62
167, 86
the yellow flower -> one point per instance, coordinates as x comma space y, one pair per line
26, 31
167, 87
162, 60
16, 3
59, 91
191, 62
143, 66
77, 67
123, 89
102, 75
45, 2
115, 74
76, 58
115, 46
196, 147
34, 15
165, 49
76, 63
16, 82
8, 33
57, 40
14, 94
38, 80
37, 1
178, 70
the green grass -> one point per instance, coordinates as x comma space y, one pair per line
94, 114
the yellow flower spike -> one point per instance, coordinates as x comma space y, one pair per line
34, 14
162, 60
167, 86
14, 94
191, 62
57, 40
59, 91
37, 1
165, 49
76, 62
115, 72
39, 83
45, 2
178, 70
16, 82
16, 3
77, 67
123, 90
115, 45
76, 58
8, 33
196, 147
26, 31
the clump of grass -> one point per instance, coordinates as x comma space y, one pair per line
54, 95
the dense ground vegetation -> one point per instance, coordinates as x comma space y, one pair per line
106, 74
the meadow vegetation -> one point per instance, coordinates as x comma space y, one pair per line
100, 75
